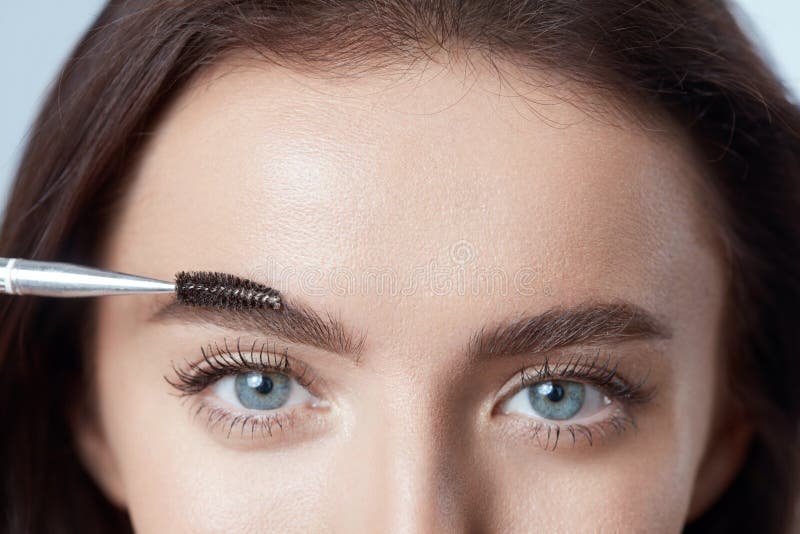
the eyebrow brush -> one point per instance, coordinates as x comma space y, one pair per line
198, 288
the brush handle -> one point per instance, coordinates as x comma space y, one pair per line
52, 279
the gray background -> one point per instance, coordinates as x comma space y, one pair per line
37, 35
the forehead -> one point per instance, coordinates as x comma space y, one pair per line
326, 185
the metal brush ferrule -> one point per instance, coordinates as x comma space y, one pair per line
50, 279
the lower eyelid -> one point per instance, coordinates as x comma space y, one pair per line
597, 417
550, 435
251, 427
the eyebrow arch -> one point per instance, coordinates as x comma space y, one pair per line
592, 322
292, 322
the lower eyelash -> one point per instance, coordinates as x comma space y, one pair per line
244, 424
550, 435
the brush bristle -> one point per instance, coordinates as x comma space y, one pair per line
220, 290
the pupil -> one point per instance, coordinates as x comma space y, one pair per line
553, 391
261, 383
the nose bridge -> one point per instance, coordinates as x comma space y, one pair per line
413, 470
414, 478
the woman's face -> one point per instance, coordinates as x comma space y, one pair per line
502, 314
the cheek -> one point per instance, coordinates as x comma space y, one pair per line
212, 490
609, 492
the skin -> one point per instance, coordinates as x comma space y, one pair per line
288, 179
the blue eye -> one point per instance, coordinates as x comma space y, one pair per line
557, 400
262, 391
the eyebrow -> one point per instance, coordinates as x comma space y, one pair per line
292, 322
591, 322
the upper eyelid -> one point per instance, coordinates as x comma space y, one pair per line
577, 367
193, 376
236, 359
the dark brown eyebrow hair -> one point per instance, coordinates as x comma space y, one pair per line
293, 322
592, 322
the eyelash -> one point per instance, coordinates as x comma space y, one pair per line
219, 362
594, 372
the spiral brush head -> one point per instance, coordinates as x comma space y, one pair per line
220, 290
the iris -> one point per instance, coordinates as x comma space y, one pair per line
262, 391
557, 399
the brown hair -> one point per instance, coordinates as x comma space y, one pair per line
689, 60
